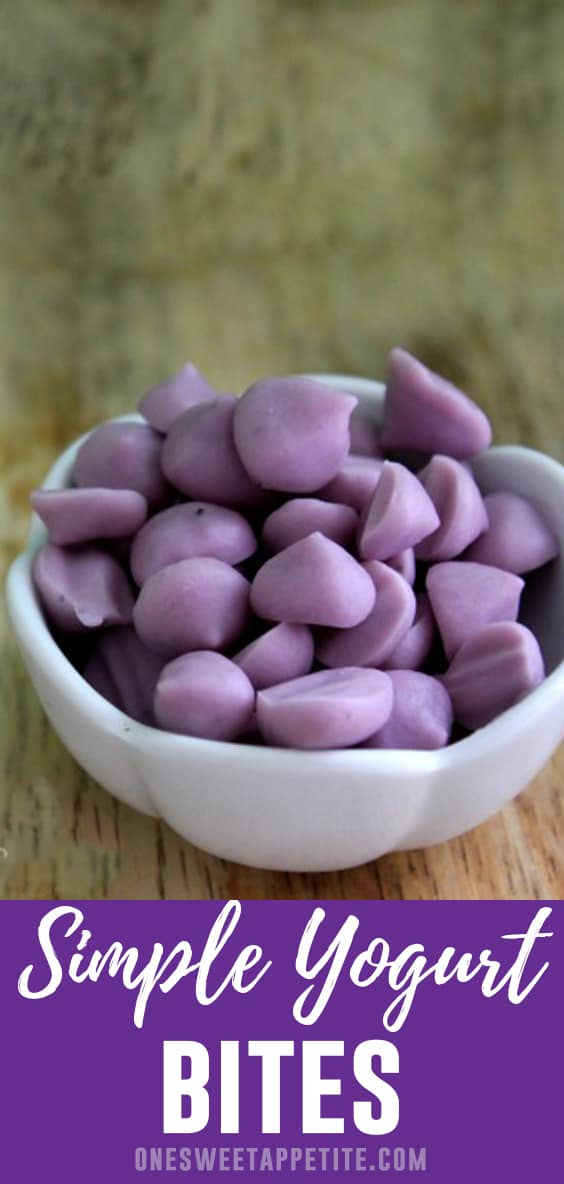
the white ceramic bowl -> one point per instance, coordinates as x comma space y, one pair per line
313, 811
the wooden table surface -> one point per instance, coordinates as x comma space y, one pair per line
377, 174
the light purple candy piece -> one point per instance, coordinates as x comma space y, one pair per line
84, 589
355, 482
80, 515
466, 596
200, 458
284, 652
330, 709
292, 433
313, 582
460, 507
123, 456
493, 670
196, 604
204, 694
171, 398
421, 716
405, 564
125, 672
188, 531
517, 539
371, 642
425, 413
415, 647
400, 514
365, 435
306, 515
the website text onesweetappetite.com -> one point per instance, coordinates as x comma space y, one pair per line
280, 1159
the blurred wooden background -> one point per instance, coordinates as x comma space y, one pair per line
267, 185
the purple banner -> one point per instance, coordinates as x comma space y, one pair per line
146, 1041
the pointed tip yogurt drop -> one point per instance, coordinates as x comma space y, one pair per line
421, 716
188, 531
200, 459
466, 596
122, 455
400, 514
80, 515
517, 539
164, 403
82, 589
329, 709
292, 434
424, 412
492, 671
206, 695
313, 582
372, 641
459, 504
196, 604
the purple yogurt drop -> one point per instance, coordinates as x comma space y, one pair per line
200, 458
188, 531
329, 709
425, 413
372, 641
83, 589
305, 515
466, 596
400, 514
517, 539
415, 647
313, 582
122, 456
81, 515
292, 434
460, 507
204, 694
405, 564
492, 671
284, 652
355, 482
196, 604
171, 398
421, 716
124, 667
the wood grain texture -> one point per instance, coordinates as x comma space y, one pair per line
276, 185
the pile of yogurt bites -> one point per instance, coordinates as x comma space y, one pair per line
275, 569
